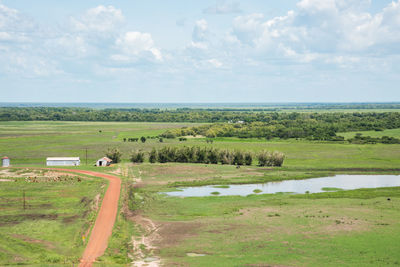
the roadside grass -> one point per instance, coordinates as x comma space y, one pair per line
57, 214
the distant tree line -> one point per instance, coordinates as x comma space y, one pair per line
208, 155
243, 123
359, 139
311, 126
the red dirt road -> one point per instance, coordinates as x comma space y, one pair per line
105, 219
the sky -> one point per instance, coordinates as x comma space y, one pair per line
200, 51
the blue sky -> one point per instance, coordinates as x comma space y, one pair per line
200, 51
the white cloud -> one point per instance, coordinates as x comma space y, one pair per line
215, 63
136, 44
224, 8
322, 28
200, 31
101, 19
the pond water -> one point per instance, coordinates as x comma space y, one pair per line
314, 185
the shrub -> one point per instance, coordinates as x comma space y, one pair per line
143, 139
153, 156
248, 158
267, 158
114, 154
137, 157
225, 157
238, 158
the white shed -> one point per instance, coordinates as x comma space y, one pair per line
63, 161
5, 162
103, 162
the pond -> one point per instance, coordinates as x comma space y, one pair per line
314, 185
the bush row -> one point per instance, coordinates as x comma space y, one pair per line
207, 155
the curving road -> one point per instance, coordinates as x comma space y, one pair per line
105, 219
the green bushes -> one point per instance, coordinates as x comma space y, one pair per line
208, 155
114, 154
137, 157
267, 158
359, 139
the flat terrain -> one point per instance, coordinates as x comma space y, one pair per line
55, 221
389, 132
347, 228
351, 228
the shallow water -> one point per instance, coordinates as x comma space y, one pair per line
314, 185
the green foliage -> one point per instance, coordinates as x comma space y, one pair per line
310, 126
143, 139
153, 156
114, 154
267, 158
137, 156
359, 139
248, 158
206, 155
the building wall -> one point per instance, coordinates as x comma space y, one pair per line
63, 162
103, 163
5, 162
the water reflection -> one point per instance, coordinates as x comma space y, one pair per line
314, 185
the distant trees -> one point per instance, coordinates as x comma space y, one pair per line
263, 123
114, 154
143, 139
359, 139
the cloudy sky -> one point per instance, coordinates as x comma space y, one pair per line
199, 51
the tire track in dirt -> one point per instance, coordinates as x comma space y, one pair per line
105, 220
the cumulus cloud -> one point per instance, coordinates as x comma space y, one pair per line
223, 8
134, 45
14, 27
200, 31
101, 19
323, 28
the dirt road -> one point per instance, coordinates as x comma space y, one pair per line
105, 219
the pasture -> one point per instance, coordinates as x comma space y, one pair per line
45, 214
358, 227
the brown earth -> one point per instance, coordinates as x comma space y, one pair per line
103, 226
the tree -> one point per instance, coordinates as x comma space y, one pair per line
238, 158
153, 156
137, 157
114, 154
248, 158
143, 139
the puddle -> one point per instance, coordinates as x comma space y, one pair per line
314, 185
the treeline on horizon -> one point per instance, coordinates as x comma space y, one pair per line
208, 115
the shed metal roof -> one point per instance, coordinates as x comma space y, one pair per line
63, 158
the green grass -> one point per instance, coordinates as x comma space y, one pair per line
305, 230
389, 132
280, 230
31, 142
50, 228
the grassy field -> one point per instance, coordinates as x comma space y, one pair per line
351, 228
59, 210
32, 142
390, 132
29, 143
